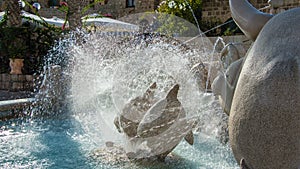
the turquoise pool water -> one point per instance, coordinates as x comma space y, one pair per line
60, 142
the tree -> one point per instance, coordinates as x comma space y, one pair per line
74, 13
14, 13
76, 9
189, 10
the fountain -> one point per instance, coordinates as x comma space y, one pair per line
101, 75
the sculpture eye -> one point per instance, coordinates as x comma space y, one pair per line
222, 58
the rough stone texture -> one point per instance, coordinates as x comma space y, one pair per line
14, 17
134, 111
219, 9
16, 82
264, 122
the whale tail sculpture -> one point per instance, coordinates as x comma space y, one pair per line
245, 15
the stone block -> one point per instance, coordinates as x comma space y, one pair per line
21, 78
17, 86
14, 78
5, 77
28, 86
29, 78
5, 85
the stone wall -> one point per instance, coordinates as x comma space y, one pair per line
219, 9
212, 9
16, 82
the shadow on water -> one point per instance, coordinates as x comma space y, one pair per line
42, 143
62, 151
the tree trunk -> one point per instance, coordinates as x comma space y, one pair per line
14, 13
75, 9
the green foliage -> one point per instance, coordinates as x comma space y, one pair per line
30, 42
229, 31
172, 25
90, 5
13, 42
179, 25
65, 8
182, 9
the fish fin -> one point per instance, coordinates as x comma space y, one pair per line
172, 93
150, 90
117, 124
189, 137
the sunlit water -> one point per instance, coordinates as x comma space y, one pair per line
62, 143
102, 74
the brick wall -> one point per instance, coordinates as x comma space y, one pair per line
16, 82
219, 9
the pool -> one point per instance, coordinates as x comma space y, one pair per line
60, 142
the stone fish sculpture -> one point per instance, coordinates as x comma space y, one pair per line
164, 125
134, 111
161, 128
264, 121
162, 115
224, 84
229, 54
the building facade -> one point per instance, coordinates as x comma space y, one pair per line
113, 8
211, 10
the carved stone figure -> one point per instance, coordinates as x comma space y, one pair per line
264, 121
224, 85
134, 111
229, 54
155, 129
165, 124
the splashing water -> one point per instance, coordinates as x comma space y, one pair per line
103, 74
109, 71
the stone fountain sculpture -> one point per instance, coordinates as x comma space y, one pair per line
224, 84
264, 121
154, 127
134, 111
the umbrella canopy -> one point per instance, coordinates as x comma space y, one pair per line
105, 22
93, 19
52, 21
